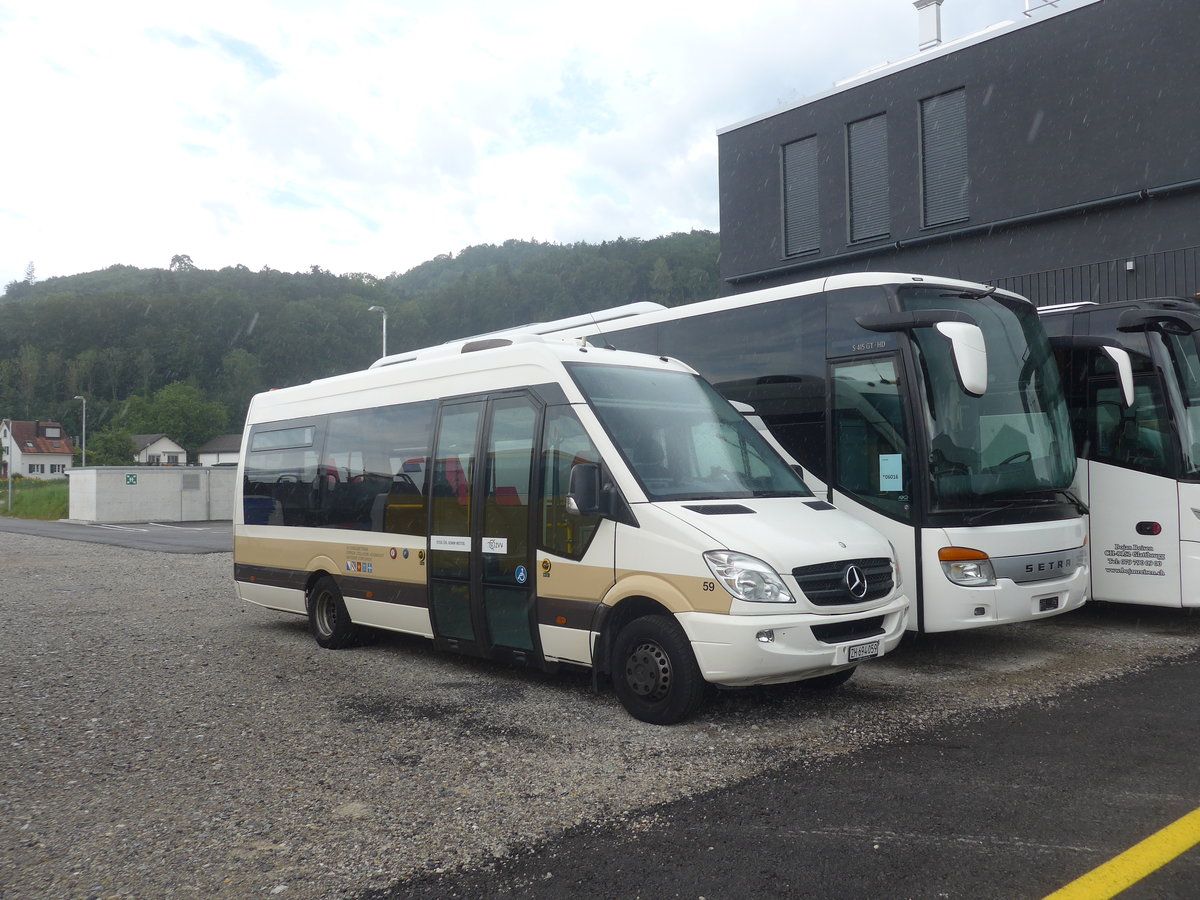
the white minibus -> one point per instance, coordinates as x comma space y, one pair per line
547, 503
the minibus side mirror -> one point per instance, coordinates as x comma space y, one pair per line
583, 492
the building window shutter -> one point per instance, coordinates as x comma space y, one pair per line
868, 174
801, 214
944, 158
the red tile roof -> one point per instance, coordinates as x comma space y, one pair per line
30, 437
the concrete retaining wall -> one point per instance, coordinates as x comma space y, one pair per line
141, 494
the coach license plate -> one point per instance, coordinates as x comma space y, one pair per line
862, 651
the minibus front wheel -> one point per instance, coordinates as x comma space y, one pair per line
328, 621
654, 671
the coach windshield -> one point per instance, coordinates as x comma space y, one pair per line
1013, 441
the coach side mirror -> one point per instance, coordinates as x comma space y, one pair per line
1124, 364
970, 355
965, 337
1119, 355
583, 492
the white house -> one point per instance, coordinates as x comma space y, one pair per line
38, 449
158, 450
223, 450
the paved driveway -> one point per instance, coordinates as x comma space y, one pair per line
164, 537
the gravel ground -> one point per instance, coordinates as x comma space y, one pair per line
162, 739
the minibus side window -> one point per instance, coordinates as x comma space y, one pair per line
566, 443
372, 469
279, 485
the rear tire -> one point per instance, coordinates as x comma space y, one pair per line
328, 621
828, 682
654, 671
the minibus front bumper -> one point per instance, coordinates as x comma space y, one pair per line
744, 650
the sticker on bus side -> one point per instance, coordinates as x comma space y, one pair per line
495, 545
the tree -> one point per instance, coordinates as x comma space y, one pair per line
661, 283
29, 276
181, 262
179, 411
241, 378
29, 371
111, 447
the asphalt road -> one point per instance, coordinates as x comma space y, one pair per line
1006, 806
164, 537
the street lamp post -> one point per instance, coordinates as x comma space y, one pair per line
8, 468
83, 453
380, 309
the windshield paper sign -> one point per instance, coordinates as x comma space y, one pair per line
890, 472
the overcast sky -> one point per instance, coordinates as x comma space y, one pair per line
371, 136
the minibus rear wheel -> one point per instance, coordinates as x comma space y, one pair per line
328, 621
654, 671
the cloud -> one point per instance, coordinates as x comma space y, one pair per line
371, 135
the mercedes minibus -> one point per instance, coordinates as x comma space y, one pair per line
546, 503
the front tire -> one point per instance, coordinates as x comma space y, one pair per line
654, 671
328, 621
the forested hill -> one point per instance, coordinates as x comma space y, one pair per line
184, 348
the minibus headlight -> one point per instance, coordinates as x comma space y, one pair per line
748, 578
970, 568
899, 579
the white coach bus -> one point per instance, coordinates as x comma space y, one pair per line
1131, 372
927, 407
544, 503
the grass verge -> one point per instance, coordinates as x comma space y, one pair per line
34, 499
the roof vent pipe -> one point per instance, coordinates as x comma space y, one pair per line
929, 23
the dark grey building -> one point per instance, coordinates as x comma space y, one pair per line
1058, 157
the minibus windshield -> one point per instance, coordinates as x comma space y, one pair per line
682, 439
1016, 438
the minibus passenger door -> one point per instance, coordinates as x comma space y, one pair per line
508, 492
482, 494
451, 492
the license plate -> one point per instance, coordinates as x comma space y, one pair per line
862, 651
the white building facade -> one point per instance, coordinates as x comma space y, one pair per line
35, 449
158, 450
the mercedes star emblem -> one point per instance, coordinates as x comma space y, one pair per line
856, 581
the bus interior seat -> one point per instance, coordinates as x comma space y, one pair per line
508, 496
647, 456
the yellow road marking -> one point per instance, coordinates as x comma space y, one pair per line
1135, 863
